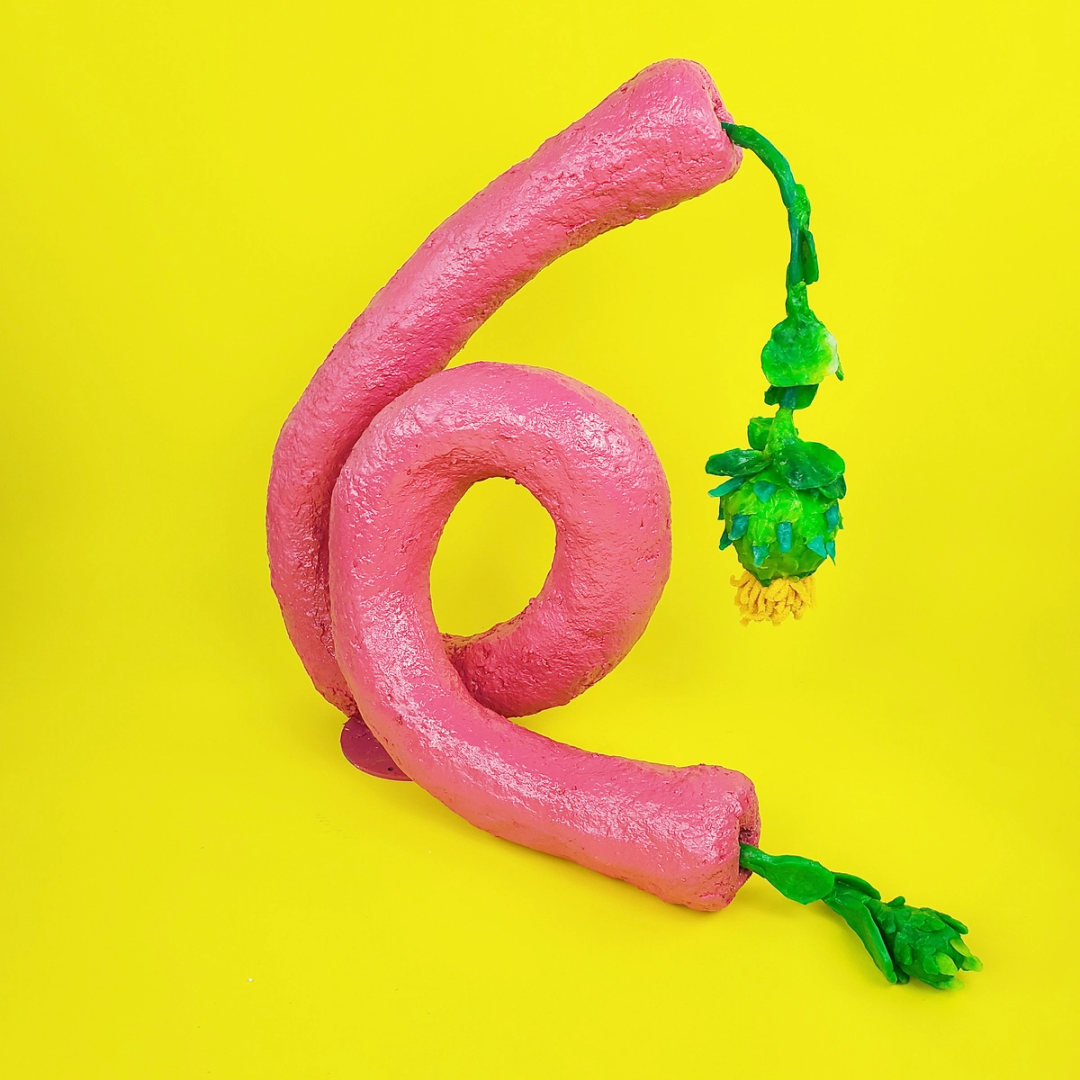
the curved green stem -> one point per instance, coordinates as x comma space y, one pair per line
904, 942
803, 264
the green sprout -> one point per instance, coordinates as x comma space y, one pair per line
904, 942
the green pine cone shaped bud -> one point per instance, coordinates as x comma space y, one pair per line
781, 508
777, 531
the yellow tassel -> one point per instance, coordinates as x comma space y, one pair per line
782, 597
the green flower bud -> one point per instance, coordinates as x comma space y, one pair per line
781, 506
789, 526
800, 350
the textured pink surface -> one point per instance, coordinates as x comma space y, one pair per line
672, 831
438, 705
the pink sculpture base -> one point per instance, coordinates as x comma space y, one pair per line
363, 750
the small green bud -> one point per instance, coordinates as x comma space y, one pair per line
800, 351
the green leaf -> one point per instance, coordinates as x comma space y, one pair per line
806, 465
727, 487
808, 256
858, 883
735, 463
836, 490
956, 924
799, 879
757, 431
850, 908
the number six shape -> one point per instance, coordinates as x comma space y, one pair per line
384, 443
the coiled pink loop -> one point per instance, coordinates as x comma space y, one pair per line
379, 450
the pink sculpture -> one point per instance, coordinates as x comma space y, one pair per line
380, 448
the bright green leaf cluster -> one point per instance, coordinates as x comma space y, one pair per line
780, 507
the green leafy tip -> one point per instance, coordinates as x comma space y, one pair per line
808, 465
904, 942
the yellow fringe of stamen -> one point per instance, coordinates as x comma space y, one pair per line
774, 603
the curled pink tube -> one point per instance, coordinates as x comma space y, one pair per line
353, 585
672, 831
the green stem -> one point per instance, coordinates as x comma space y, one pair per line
904, 942
750, 139
781, 431
802, 264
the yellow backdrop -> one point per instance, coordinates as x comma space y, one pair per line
197, 198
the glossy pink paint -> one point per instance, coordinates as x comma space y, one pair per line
353, 584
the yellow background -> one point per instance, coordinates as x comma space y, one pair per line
197, 198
